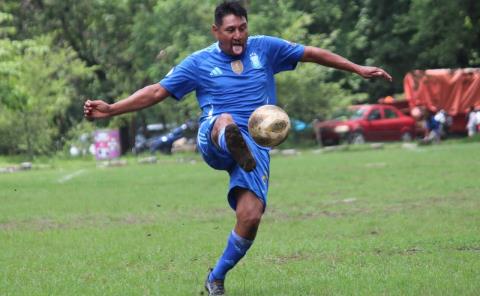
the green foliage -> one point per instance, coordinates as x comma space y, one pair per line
305, 98
128, 44
162, 37
36, 90
454, 40
6, 30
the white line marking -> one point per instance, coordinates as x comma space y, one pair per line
70, 176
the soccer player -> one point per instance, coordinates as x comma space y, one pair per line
232, 77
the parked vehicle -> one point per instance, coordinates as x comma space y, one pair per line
163, 142
361, 123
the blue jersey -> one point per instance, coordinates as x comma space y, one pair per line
234, 85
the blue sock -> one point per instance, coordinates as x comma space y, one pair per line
237, 247
222, 143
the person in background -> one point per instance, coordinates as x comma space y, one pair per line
445, 121
471, 122
432, 132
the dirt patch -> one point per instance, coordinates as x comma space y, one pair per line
353, 206
287, 258
276, 214
330, 209
402, 252
434, 201
469, 249
200, 215
98, 221
413, 250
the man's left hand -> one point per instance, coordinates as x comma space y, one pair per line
373, 72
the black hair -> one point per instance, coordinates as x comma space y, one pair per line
227, 8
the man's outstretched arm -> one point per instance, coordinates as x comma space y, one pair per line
141, 99
329, 59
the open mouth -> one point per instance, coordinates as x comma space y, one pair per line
237, 48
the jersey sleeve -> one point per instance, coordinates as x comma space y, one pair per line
182, 79
284, 54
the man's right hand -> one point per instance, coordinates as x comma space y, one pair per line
96, 109
142, 98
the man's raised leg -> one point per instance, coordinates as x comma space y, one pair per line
227, 136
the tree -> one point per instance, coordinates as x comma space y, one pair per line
446, 33
127, 44
36, 81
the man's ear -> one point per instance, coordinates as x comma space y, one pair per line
214, 29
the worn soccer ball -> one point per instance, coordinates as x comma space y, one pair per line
269, 125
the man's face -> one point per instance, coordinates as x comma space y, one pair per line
232, 35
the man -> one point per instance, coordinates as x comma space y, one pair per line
232, 77
471, 121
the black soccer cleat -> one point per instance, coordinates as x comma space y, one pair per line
214, 288
239, 148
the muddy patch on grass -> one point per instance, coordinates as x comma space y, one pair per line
397, 251
77, 222
352, 207
277, 214
199, 215
413, 250
430, 202
284, 259
469, 249
329, 209
176, 215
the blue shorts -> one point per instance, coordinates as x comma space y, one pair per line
255, 181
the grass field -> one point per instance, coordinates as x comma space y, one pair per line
361, 222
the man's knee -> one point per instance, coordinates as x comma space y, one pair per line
222, 120
250, 220
249, 209
225, 116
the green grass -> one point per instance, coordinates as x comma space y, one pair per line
359, 222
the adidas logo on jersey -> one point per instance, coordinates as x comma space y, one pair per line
216, 72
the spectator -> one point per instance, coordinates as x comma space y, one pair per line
477, 115
472, 121
445, 121
432, 128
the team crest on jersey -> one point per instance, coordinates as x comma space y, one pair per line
237, 66
255, 61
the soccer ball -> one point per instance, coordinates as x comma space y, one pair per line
269, 125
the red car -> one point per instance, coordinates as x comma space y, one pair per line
362, 123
